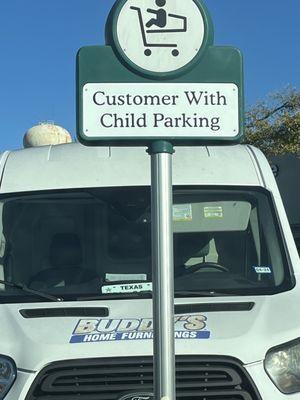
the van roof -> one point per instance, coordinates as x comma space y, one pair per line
76, 166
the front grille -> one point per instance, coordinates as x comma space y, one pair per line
197, 378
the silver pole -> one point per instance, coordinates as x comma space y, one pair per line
163, 272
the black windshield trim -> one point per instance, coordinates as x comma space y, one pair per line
77, 298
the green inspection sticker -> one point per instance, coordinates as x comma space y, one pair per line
182, 213
213, 212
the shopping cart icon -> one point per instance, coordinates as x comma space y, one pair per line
145, 32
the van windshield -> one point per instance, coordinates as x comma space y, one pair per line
77, 243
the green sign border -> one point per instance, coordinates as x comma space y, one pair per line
99, 64
112, 40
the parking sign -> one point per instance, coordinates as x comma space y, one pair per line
159, 77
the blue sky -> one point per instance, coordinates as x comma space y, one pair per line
39, 40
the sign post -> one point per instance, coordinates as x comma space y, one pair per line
160, 82
162, 270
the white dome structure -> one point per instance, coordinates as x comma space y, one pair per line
46, 134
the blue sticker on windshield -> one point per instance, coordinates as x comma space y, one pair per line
107, 330
263, 270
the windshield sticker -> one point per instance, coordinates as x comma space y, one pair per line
108, 330
125, 277
263, 270
127, 288
213, 212
182, 213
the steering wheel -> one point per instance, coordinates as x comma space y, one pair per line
207, 264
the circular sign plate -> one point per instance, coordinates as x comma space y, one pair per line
159, 37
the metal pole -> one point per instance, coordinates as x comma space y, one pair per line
162, 270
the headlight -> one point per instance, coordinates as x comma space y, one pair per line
8, 373
283, 366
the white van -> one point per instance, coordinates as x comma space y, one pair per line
75, 270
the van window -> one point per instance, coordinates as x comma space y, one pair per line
73, 242
228, 240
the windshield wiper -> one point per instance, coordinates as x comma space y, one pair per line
116, 296
148, 294
31, 291
202, 293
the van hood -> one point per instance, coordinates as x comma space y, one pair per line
246, 328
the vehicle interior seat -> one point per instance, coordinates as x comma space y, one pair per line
189, 246
231, 248
66, 259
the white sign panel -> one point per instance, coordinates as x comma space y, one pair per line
160, 36
156, 110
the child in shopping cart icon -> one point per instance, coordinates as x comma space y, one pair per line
160, 22
161, 15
